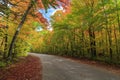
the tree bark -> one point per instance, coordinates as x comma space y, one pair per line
18, 30
6, 43
92, 42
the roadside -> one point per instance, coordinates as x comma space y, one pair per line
109, 67
28, 68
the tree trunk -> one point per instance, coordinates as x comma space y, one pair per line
6, 43
92, 43
116, 43
118, 21
83, 43
108, 31
18, 30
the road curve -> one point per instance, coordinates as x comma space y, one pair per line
57, 68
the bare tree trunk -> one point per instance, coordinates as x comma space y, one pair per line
18, 30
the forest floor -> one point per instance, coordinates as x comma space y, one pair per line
28, 68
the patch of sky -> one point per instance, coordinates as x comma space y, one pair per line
47, 15
3, 2
1, 14
39, 28
50, 12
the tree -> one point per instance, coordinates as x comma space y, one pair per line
89, 30
19, 8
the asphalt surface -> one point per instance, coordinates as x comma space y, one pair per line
57, 68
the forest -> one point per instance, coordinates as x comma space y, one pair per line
87, 29
19, 20
83, 29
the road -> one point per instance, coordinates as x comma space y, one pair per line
58, 68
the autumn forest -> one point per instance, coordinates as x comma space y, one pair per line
88, 29
81, 29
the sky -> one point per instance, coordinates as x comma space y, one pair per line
49, 13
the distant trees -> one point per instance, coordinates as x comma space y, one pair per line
90, 30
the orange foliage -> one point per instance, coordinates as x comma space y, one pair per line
39, 3
23, 4
41, 18
64, 3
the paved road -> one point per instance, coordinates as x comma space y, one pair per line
57, 68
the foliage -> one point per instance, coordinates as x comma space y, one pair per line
14, 13
90, 30
2, 64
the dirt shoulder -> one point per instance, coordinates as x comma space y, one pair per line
28, 68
